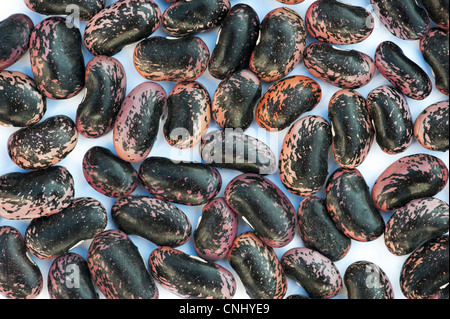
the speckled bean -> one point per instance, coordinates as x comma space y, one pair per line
434, 47
280, 46
351, 128
216, 230
173, 268
21, 103
258, 267
20, 277
236, 40
401, 71
15, 32
153, 219
338, 22
188, 183
291, 1
122, 23
408, 178
235, 99
391, 118
310, 140
232, 149
424, 274
415, 223
57, 60
264, 207
437, 11
314, 272
431, 128
35, 194
347, 69
106, 86
189, 115
137, 123
118, 269
350, 205
287, 99
171, 59
191, 17
50, 236
366, 280
405, 19
69, 278
318, 231
109, 174
78, 9
43, 144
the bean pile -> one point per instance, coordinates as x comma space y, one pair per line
250, 239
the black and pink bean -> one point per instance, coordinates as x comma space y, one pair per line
252, 59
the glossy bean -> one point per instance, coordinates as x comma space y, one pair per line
20, 277
291, 1
236, 40
434, 47
35, 194
173, 268
431, 127
189, 115
191, 17
338, 23
232, 149
264, 207
188, 183
69, 278
314, 272
57, 60
350, 205
318, 231
391, 119
415, 223
404, 19
408, 178
108, 174
287, 99
351, 127
258, 267
137, 123
401, 71
106, 86
171, 59
347, 69
50, 236
21, 103
15, 32
280, 46
118, 269
437, 11
153, 219
310, 140
79, 9
120, 24
366, 280
297, 296
424, 274
235, 99
216, 230
43, 144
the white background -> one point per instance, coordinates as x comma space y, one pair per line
372, 167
